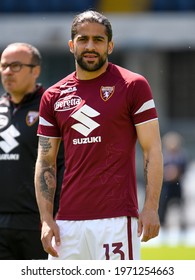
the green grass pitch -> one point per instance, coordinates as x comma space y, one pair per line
179, 252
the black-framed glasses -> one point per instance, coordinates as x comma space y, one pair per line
15, 66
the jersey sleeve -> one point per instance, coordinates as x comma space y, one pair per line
47, 122
143, 108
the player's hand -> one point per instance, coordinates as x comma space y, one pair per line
50, 230
148, 224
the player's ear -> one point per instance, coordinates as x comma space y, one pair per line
70, 43
110, 47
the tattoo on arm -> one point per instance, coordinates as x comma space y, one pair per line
47, 183
47, 177
45, 144
146, 172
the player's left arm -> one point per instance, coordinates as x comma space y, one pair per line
45, 187
150, 141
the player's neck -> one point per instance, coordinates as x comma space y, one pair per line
89, 75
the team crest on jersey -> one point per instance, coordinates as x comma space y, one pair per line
106, 92
32, 117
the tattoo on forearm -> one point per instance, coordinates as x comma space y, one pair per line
146, 172
45, 144
47, 183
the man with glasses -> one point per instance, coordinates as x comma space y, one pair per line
20, 67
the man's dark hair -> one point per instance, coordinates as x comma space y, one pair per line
91, 16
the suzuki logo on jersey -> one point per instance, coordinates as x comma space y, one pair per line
9, 142
67, 103
86, 124
106, 92
87, 140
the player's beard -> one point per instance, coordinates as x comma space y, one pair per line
91, 66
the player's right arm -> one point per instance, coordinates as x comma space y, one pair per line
45, 190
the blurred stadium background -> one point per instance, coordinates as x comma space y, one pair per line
153, 37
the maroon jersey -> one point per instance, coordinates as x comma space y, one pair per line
96, 119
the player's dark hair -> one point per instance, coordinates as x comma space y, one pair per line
91, 16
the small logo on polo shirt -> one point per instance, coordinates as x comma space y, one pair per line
106, 92
32, 117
